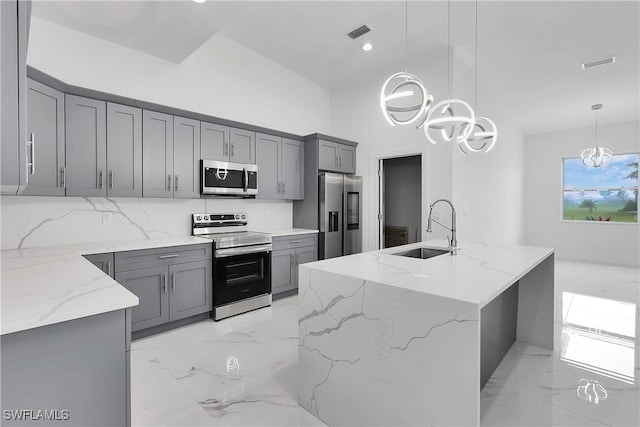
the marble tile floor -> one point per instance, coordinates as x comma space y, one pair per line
242, 371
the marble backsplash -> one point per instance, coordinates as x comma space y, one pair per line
29, 221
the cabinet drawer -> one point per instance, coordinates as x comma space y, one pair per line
294, 241
133, 260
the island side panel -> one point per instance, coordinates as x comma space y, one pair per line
372, 354
536, 305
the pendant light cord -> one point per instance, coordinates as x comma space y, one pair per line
596, 130
449, 89
476, 95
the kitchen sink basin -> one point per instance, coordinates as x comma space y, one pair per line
423, 253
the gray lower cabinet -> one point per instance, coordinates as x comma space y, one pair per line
103, 261
281, 165
157, 154
45, 126
124, 151
288, 253
76, 370
336, 157
150, 286
186, 158
14, 32
85, 145
171, 283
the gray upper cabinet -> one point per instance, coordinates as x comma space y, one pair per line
336, 157
186, 157
14, 31
86, 145
124, 151
280, 163
268, 160
45, 124
292, 169
214, 142
242, 146
157, 154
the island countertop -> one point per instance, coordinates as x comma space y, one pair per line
48, 285
477, 274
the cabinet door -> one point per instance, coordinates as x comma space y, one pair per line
304, 255
347, 159
292, 169
124, 151
14, 31
45, 120
157, 154
328, 156
186, 158
243, 146
268, 161
151, 287
103, 261
191, 290
282, 270
86, 146
214, 142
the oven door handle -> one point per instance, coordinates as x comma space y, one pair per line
221, 253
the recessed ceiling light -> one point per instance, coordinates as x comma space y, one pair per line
367, 47
603, 61
199, 1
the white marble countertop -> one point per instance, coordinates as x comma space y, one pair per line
476, 275
279, 232
47, 285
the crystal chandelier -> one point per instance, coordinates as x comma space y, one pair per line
596, 156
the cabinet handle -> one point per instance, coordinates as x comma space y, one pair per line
163, 280
336, 161
225, 148
291, 259
32, 149
295, 241
173, 282
63, 177
169, 256
100, 179
176, 182
283, 187
111, 179
232, 150
340, 162
169, 182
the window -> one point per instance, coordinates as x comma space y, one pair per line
608, 193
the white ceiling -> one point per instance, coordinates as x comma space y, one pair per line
529, 51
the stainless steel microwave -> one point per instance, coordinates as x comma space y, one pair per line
228, 179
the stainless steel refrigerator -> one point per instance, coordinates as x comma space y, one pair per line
340, 215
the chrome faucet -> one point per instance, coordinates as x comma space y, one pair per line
453, 244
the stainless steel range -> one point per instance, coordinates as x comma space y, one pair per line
241, 263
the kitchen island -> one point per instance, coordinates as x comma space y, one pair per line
394, 340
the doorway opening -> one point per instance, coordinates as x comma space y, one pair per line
400, 200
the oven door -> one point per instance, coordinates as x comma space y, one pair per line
238, 275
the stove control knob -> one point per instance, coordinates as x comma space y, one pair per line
237, 216
244, 216
206, 218
198, 218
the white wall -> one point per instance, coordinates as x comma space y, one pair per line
606, 243
221, 78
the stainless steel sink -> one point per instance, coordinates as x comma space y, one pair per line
423, 253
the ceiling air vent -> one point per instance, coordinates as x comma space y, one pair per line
598, 62
359, 32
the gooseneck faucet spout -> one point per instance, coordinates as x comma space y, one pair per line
453, 245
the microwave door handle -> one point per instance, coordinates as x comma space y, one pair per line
245, 185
